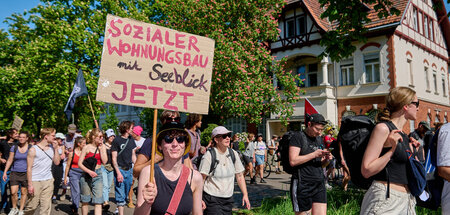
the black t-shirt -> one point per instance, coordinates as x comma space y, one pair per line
124, 159
5, 147
311, 170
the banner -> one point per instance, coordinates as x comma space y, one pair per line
146, 65
17, 123
79, 89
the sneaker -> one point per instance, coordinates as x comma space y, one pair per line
252, 181
262, 181
116, 211
62, 197
328, 187
13, 211
54, 200
20, 213
278, 171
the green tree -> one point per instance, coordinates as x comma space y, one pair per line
111, 121
241, 81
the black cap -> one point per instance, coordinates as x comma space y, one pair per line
317, 118
259, 135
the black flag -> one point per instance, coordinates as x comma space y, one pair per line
79, 89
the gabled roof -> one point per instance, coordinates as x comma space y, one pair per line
316, 10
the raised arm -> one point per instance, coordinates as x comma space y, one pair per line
56, 157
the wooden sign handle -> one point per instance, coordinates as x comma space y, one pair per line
153, 154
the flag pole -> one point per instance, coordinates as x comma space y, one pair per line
92, 110
152, 162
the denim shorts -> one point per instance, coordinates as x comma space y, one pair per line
92, 188
259, 160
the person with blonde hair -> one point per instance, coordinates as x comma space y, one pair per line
385, 158
91, 181
39, 175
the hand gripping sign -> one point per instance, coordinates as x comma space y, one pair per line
147, 65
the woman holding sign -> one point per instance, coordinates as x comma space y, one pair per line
177, 189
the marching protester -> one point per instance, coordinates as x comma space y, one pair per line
58, 170
387, 144
272, 147
74, 172
260, 157
443, 165
123, 156
307, 154
18, 162
173, 180
40, 180
5, 146
248, 156
143, 157
219, 177
419, 135
108, 169
193, 124
235, 142
92, 156
136, 134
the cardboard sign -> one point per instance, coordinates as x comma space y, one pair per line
17, 123
147, 65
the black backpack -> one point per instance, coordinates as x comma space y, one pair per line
214, 161
354, 136
283, 152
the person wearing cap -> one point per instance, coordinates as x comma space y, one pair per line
58, 170
70, 137
173, 142
307, 154
123, 152
419, 135
219, 183
107, 169
260, 157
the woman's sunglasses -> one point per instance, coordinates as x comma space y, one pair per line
416, 103
175, 119
180, 139
224, 136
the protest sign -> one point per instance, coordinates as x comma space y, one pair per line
146, 65
17, 123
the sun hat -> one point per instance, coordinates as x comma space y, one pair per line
172, 126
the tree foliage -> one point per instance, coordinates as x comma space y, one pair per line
44, 48
111, 120
349, 18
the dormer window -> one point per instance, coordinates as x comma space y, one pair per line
295, 26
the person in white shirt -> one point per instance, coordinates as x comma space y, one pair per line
443, 165
260, 157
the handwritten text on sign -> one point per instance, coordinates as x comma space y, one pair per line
147, 65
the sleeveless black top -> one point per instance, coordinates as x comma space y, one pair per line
165, 192
396, 167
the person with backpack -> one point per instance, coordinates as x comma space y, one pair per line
73, 172
39, 176
306, 155
443, 165
219, 167
385, 158
91, 159
18, 177
177, 189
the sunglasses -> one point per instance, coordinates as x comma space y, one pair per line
416, 103
180, 139
175, 119
224, 136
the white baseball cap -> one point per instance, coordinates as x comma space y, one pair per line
110, 133
219, 130
60, 136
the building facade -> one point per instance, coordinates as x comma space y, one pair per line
405, 50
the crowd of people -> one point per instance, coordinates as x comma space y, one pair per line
190, 178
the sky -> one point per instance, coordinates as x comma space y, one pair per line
8, 7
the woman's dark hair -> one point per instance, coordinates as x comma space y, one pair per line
78, 141
167, 114
9, 133
124, 126
192, 119
395, 100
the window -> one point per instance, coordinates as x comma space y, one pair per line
428, 119
436, 118
431, 30
415, 19
123, 108
410, 69
308, 74
435, 81
425, 29
443, 86
372, 67
290, 26
301, 25
347, 72
411, 125
445, 120
427, 78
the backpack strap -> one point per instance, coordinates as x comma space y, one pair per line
391, 127
214, 161
232, 155
178, 192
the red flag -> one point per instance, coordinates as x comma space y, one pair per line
309, 108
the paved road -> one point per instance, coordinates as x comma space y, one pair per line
277, 185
